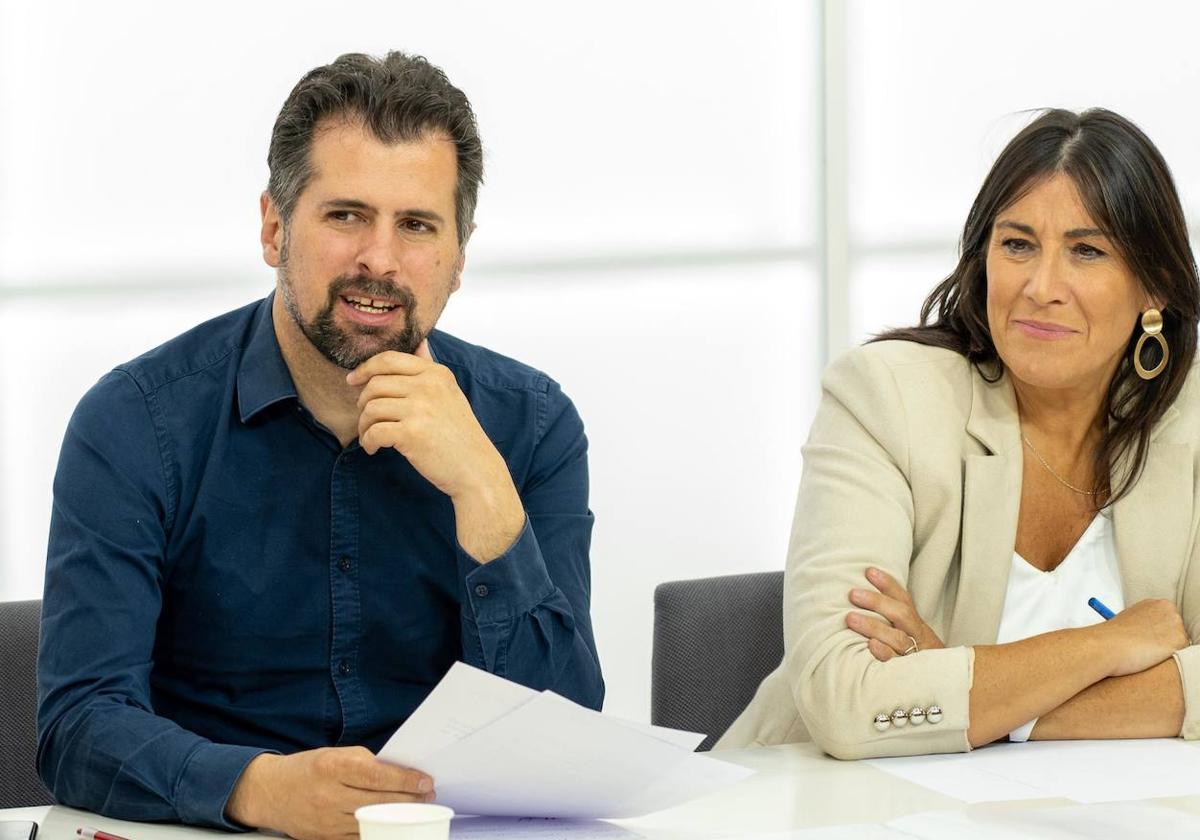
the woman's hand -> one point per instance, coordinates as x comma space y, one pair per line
1141, 636
907, 632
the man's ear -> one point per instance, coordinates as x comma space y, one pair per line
456, 283
271, 235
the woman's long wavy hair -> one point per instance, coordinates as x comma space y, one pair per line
1128, 190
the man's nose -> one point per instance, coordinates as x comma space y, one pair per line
377, 252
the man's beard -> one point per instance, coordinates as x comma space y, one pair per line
349, 349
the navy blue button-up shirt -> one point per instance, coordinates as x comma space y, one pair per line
224, 578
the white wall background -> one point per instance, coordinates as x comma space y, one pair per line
650, 232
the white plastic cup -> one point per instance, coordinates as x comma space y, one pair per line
404, 821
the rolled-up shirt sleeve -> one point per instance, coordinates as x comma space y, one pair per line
101, 747
526, 614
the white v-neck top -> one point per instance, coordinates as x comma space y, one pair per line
1038, 602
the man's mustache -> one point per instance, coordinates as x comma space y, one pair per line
375, 287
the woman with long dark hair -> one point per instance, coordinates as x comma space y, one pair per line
972, 483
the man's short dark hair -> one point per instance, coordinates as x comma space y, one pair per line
398, 98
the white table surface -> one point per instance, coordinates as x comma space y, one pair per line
797, 787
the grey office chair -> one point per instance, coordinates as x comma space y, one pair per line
714, 641
19, 782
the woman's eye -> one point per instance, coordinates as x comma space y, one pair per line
1089, 252
1016, 246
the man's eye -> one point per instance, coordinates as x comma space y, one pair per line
416, 225
342, 215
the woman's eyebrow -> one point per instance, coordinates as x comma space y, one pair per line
1026, 229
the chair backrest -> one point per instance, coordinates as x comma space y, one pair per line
19, 782
714, 641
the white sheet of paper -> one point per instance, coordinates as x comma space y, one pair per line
680, 737
1133, 820
501, 750
959, 775
1084, 771
537, 828
857, 831
465, 700
553, 758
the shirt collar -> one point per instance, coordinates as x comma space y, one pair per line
263, 377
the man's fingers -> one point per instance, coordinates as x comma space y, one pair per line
382, 410
381, 435
358, 797
370, 775
389, 361
387, 385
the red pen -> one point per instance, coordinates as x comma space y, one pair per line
96, 834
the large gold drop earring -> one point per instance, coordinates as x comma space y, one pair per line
1152, 324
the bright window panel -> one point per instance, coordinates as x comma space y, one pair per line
936, 88
133, 143
886, 291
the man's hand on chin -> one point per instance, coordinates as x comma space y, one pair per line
414, 405
312, 795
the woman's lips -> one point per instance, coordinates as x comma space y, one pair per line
1044, 330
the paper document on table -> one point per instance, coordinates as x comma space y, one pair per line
1079, 770
853, 831
537, 828
1134, 820
501, 750
1130, 820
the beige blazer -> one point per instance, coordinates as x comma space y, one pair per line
914, 465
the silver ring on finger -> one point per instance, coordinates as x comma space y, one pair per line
912, 648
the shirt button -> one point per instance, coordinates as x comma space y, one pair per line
481, 590
344, 563
344, 668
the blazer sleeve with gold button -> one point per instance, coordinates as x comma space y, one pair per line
913, 465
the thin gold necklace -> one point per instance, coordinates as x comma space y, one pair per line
1050, 470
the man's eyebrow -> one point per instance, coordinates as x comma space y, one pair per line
424, 215
345, 203
355, 204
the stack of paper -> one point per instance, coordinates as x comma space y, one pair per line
539, 828
1130, 820
1085, 771
500, 749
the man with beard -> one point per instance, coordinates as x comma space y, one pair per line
274, 534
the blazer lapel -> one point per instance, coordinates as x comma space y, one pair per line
991, 502
1152, 525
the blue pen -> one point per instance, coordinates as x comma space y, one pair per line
1098, 606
